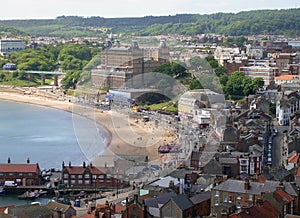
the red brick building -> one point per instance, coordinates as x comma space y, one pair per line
22, 174
90, 176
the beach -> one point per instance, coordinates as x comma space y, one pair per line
127, 136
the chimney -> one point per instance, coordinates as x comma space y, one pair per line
280, 186
70, 164
63, 164
247, 184
91, 165
28, 161
8, 160
83, 164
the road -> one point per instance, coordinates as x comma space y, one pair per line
277, 146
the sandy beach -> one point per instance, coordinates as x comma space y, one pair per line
128, 136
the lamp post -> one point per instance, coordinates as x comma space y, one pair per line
117, 184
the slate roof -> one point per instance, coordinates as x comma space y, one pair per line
228, 160
180, 173
165, 182
213, 167
280, 175
256, 188
159, 200
30, 211
198, 198
55, 206
182, 202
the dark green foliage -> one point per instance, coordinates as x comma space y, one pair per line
238, 86
172, 69
195, 84
280, 22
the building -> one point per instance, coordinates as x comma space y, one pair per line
263, 209
179, 206
120, 63
265, 72
201, 203
244, 194
135, 209
10, 45
286, 107
284, 79
192, 102
22, 174
61, 210
90, 176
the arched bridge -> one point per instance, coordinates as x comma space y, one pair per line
44, 73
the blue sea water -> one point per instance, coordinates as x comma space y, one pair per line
47, 136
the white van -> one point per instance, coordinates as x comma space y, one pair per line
10, 184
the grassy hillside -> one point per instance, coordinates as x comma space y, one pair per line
285, 22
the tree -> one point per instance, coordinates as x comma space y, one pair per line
172, 69
195, 84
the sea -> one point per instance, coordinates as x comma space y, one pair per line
47, 136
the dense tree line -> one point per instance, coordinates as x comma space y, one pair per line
70, 58
208, 74
285, 22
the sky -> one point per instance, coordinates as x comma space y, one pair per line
44, 9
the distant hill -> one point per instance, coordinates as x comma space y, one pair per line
283, 22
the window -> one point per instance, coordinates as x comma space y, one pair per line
243, 168
230, 199
250, 197
11, 174
1, 174
238, 196
101, 177
243, 161
86, 176
66, 181
217, 193
216, 202
225, 198
72, 176
79, 176
30, 174
73, 181
238, 205
80, 181
20, 174
86, 182
66, 176
94, 176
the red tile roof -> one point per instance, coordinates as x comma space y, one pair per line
17, 168
285, 77
294, 158
120, 208
80, 170
282, 197
298, 172
266, 210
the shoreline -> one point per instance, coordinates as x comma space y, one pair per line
123, 138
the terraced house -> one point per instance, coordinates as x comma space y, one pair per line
21, 174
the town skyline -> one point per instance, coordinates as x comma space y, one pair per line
133, 8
